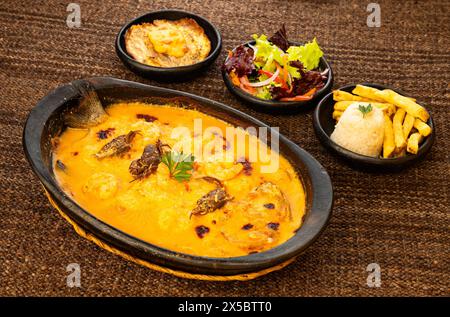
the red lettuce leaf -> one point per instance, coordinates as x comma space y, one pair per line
279, 92
241, 61
280, 39
309, 80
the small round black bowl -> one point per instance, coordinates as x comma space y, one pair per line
180, 73
46, 121
324, 124
268, 105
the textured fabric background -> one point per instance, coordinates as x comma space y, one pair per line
400, 221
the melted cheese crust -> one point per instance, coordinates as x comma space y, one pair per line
165, 43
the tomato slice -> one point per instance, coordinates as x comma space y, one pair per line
244, 85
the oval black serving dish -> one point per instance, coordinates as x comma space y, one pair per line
324, 124
45, 122
180, 73
268, 105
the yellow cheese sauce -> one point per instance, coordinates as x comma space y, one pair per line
262, 209
169, 42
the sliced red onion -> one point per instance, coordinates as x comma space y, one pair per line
265, 82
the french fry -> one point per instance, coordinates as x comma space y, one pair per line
413, 143
408, 124
367, 92
423, 128
399, 153
388, 141
405, 103
397, 122
342, 105
388, 108
337, 115
339, 95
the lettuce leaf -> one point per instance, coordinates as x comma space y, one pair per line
309, 54
264, 93
280, 38
267, 53
293, 71
241, 61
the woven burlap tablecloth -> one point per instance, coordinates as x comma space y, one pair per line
400, 221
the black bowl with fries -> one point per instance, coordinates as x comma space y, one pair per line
418, 129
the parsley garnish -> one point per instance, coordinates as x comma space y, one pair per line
365, 109
180, 165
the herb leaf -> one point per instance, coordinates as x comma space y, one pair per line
365, 109
180, 165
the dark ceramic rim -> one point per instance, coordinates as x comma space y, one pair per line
321, 206
272, 104
213, 54
367, 160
